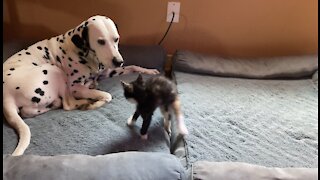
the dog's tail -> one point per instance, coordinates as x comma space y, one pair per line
14, 120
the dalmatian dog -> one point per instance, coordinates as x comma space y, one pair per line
62, 72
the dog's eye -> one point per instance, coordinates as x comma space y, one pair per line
101, 42
116, 39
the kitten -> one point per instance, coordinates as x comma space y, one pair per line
155, 92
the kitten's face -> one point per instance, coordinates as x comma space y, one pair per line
132, 90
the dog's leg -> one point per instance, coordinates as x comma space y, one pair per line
100, 97
69, 102
166, 118
179, 116
128, 70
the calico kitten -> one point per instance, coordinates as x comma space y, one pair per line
155, 92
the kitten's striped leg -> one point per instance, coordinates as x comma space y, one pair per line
179, 116
166, 118
145, 126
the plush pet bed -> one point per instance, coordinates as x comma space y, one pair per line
260, 126
270, 119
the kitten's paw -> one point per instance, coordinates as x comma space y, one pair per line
130, 121
183, 130
144, 137
168, 130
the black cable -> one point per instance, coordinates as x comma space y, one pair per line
167, 29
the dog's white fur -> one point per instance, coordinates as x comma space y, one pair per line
62, 71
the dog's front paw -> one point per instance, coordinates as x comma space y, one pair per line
107, 97
151, 71
144, 137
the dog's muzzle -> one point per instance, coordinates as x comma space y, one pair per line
117, 62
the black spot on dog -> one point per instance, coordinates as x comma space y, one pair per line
76, 81
39, 47
70, 59
38, 111
83, 76
113, 72
80, 53
45, 82
18, 87
28, 53
71, 74
86, 23
46, 56
60, 47
35, 64
39, 91
75, 71
11, 69
49, 106
45, 72
9, 74
19, 54
120, 73
79, 28
93, 19
82, 61
58, 59
61, 41
26, 48
69, 33
69, 65
35, 99
20, 108
19, 60
64, 52
57, 38
62, 57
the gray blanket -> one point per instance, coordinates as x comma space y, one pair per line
94, 132
271, 123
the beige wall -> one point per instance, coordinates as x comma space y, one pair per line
242, 28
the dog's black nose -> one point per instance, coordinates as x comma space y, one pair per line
117, 62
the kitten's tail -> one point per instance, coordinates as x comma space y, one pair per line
170, 75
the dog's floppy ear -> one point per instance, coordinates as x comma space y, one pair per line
81, 42
77, 41
85, 36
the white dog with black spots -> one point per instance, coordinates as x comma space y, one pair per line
62, 72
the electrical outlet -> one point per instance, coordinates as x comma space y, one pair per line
173, 7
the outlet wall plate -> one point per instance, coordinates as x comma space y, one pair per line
173, 7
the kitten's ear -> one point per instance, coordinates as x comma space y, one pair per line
139, 79
125, 85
